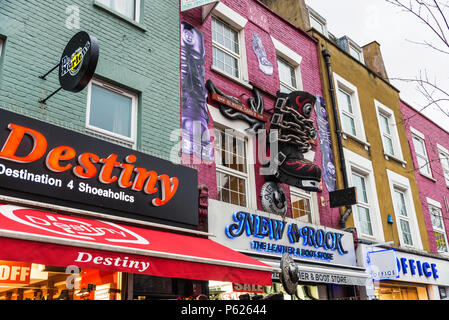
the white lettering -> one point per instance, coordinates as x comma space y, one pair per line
24, 273
15, 271
85, 257
4, 272
81, 255
98, 260
145, 266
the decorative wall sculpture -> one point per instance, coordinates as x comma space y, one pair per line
264, 65
233, 109
291, 118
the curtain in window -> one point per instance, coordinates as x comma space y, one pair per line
110, 111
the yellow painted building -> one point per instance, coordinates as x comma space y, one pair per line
376, 152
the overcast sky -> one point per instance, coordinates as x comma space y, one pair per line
368, 20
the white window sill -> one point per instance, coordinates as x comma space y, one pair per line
428, 176
346, 135
411, 248
230, 77
133, 22
392, 157
111, 137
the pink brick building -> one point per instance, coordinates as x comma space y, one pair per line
429, 145
248, 52
280, 38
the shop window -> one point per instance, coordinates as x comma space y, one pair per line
349, 109
287, 76
400, 292
444, 159
228, 44
302, 204
366, 212
226, 48
317, 22
41, 282
404, 210
421, 153
112, 111
404, 219
231, 166
437, 219
288, 67
388, 131
363, 207
128, 8
355, 53
344, 99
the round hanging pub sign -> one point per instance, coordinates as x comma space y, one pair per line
78, 62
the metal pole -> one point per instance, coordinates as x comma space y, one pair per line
45, 75
51, 95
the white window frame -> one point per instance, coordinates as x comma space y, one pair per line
420, 136
236, 22
313, 201
1, 46
442, 151
351, 90
239, 127
292, 58
136, 13
436, 204
406, 217
319, 19
130, 141
401, 183
388, 113
355, 47
355, 163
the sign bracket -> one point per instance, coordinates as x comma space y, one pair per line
44, 77
44, 101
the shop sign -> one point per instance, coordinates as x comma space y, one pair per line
382, 264
191, 4
322, 277
12, 272
416, 268
243, 229
255, 288
238, 107
421, 268
43, 162
78, 62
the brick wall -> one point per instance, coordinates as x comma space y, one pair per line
296, 40
436, 188
143, 58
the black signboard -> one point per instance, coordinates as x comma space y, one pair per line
46, 163
78, 62
343, 197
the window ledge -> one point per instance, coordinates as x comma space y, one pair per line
345, 136
136, 24
239, 81
110, 137
392, 157
428, 177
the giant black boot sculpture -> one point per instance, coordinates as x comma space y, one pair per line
291, 118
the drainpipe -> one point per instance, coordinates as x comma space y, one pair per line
326, 54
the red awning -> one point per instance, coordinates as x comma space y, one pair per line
61, 240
